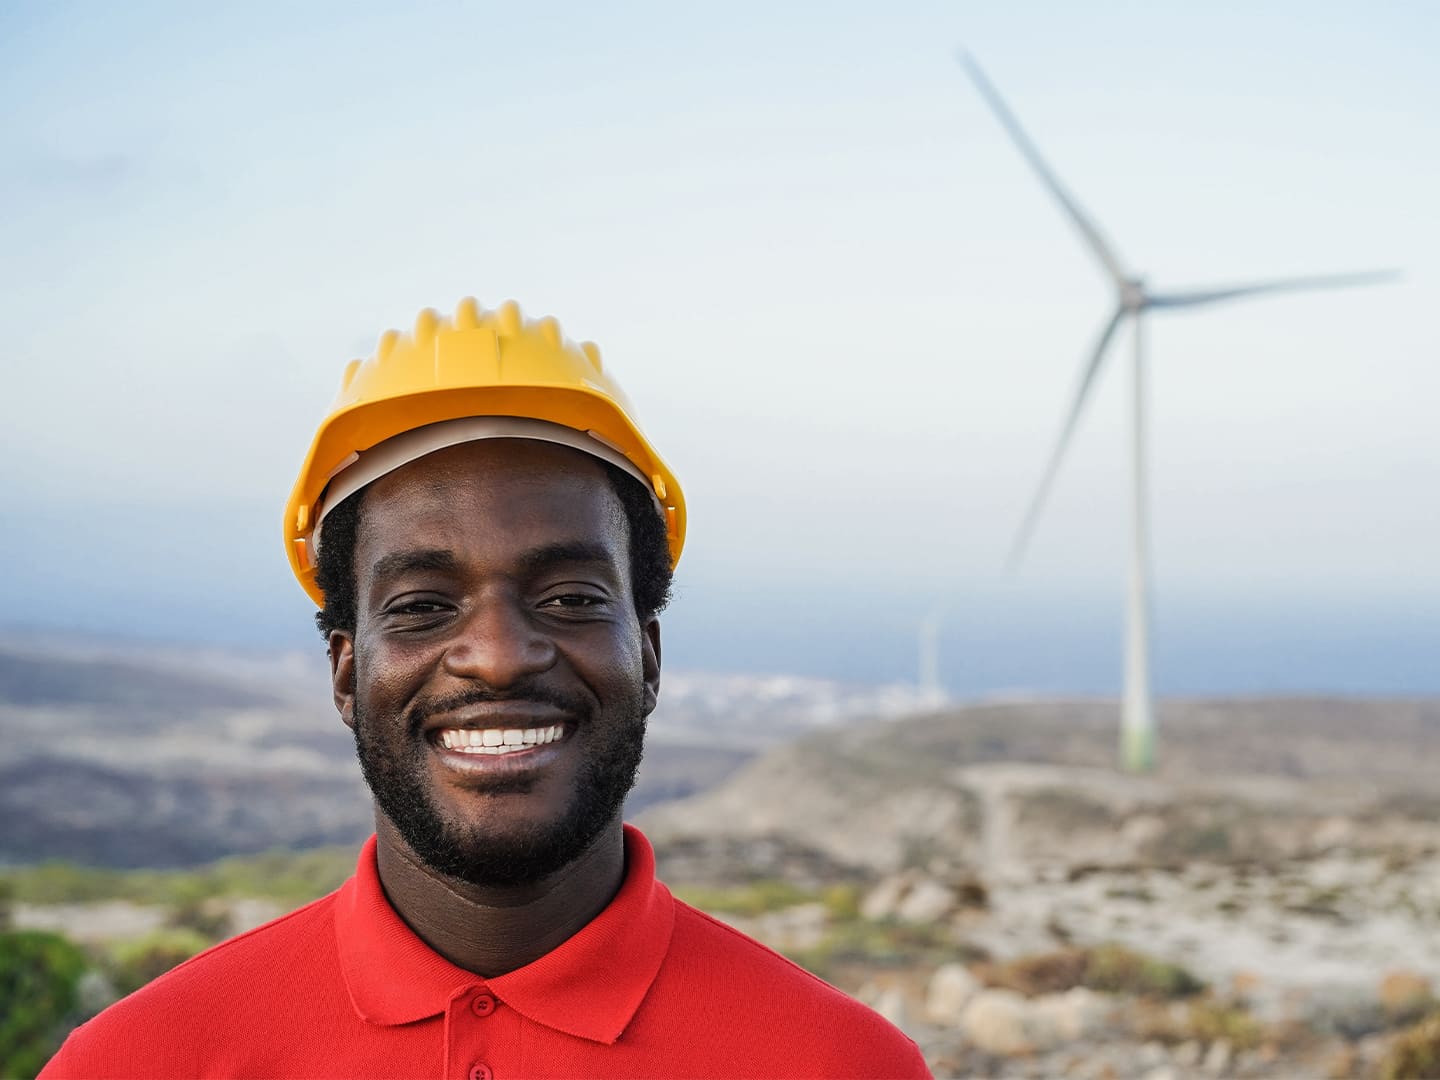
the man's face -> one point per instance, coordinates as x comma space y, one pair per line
498, 679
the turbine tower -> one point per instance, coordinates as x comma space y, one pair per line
1133, 300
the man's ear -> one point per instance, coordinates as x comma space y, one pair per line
341, 652
650, 660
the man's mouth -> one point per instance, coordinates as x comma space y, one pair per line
498, 740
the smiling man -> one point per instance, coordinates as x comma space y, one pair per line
490, 539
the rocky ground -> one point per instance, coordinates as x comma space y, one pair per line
1278, 880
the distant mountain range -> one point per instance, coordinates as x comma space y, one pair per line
165, 758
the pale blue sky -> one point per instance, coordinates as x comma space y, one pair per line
848, 314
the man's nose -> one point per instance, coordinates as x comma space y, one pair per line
498, 645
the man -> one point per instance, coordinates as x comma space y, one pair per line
490, 539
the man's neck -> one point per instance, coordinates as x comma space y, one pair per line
492, 931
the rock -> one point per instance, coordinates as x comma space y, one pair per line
1346, 1011
995, 1021
1343, 1061
801, 926
950, 990
927, 901
1153, 1054
881, 901
1404, 992
1187, 1054
910, 897
1078, 1013
1217, 1058
1162, 1072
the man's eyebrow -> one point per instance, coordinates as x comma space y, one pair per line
404, 562
574, 551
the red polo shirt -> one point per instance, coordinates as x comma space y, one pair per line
343, 988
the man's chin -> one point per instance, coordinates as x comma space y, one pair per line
523, 854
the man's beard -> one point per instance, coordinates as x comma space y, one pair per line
399, 785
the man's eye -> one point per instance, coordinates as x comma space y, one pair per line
416, 608
573, 600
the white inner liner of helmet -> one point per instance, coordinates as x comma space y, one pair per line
369, 465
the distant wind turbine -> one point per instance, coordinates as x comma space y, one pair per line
932, 693
1133, 299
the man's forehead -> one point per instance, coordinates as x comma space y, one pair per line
551, 494
494, 462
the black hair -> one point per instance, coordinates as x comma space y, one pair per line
650, 571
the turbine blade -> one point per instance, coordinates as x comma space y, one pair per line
1196, 297
1077, 405
1097, 243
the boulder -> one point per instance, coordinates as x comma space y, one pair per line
910, 897
927, 901
1217, 1058
881, 901
1187, 1054
995, 1021
799, 927
950, 990
1076, 1014
1404, 992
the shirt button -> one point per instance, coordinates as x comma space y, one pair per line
480, 1071
482, 1004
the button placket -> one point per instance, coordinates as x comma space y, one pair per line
467, 1038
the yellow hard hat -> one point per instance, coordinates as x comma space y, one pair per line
440, 378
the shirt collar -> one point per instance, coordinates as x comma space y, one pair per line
590, 986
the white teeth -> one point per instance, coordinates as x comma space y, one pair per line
498, 740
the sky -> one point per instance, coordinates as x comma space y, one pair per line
848, 315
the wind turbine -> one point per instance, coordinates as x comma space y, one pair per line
1133, 299
932, 694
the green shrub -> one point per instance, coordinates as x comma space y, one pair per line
291, 877
1210, 1020
39, 975
208, 918
887, 943
1040, 973
1111, 969
755, 898
1115, 969
135, 963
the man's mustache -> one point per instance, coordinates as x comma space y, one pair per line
571, 704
